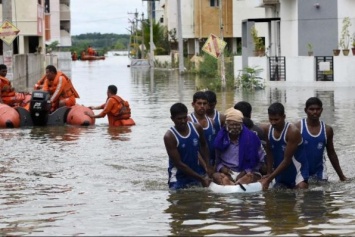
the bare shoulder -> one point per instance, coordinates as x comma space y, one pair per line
264, 127
298, 124
293, 128
329, 130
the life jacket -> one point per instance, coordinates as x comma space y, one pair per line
39, 84
66, 91
125, 111
5, 87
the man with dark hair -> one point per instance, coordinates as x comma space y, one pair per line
286, 157
8, 95
217, 117
60, 88
117, 110
199, 116
246, 109
318, 137
183, 142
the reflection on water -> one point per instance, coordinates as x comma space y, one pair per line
113, 181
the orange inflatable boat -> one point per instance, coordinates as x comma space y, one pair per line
37, 113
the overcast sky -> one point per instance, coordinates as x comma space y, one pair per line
104, 16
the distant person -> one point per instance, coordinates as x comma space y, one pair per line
74, 56
286, 160
239, 151
183, 142
90, 51
318, 137
60, 88
217, 117
117, 110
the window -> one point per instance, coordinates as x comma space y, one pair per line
214, 3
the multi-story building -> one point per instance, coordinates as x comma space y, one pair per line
200, 18
57, 22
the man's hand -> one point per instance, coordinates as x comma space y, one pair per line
206, 182
264, 183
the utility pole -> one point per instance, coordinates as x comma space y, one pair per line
7, 49
223, 76
151, 54
137, 42
143, 46
134, 24
180, 40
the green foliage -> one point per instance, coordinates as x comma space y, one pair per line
258, 42
210, 72
345, 34
100, 42
310, 47
209, 66
248, 79
52, 46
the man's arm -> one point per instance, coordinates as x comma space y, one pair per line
333, 157
293, 139
174, 155
204, 150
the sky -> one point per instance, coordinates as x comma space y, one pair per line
104, 16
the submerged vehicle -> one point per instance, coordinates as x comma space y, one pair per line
39, 114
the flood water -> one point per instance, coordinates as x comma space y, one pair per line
113, 181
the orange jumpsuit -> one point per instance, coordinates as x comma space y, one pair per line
8, 95
91, 52
61, 90
116, 112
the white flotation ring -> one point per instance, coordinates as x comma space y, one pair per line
249, 188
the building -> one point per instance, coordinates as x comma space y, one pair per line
57, 22
40, 22
200, 18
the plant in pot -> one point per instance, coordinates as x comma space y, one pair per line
345, 36
259, 47
353, 45
310, 49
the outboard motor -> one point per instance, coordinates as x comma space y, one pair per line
40, 107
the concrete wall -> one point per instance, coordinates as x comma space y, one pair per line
302, 70
317, 24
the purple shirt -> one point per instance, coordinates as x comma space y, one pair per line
230, 158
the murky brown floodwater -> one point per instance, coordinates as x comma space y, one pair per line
113, 181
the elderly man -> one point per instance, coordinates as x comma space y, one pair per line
239, 152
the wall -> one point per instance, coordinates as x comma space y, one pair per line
318, 26
206, 19
302, 70
289, 28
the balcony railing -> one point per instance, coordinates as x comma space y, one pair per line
65, 16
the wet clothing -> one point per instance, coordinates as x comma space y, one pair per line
297, 171
188, 147
210, 135
10, 97
217, 121
117, 111
61, 90
246, 155
315, 149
